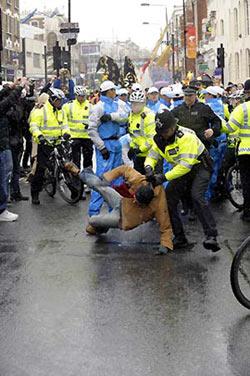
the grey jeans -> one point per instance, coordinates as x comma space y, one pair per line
112, 198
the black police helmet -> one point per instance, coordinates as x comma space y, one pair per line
145, 194
164, 120
247, 85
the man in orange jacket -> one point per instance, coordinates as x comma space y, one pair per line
133, 203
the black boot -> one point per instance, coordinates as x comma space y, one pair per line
35, 198
211, 243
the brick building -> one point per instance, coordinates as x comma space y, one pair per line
10, 38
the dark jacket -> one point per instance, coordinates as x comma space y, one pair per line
198, 117
8, 98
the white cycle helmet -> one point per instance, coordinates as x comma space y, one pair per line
137, 96
80, 90
56, 93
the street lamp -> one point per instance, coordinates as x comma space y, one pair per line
166, 10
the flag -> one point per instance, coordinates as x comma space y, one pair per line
129, 72
163, 59
111, 70
191, 42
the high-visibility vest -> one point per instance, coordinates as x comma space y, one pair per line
78, 118
141, 128
49, 122
239, 126
183, 153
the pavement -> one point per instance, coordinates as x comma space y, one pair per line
76, 305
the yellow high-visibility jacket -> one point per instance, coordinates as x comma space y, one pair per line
183, 153
239, 126
141, 128
78, 118
47, 122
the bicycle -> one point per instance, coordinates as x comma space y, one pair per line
233, 183
56, 178
240, 273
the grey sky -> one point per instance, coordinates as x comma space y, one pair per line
113, 19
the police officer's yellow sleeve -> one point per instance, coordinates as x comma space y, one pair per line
35, 123
235, 121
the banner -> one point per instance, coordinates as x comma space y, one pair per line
129, 71
191, 42
163, 59
111, 70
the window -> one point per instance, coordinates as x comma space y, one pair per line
237, 65
36, 60
35, 23
246, 15
236, 23
222, 27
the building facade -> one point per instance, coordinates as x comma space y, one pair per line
228, 22
10, 38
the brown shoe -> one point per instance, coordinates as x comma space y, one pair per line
71, 167
91, 230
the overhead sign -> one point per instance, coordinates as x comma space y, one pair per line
69, 27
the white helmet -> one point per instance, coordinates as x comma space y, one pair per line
80, 90
107, 85
137, 96
56, 93
136, 87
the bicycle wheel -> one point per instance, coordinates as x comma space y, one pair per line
234, 188
240, 274
70, 187
49, 183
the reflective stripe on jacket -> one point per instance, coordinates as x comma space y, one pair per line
239, 125
183, 153
142, 130
48, 122
78, 118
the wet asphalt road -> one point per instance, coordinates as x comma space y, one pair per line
74, 305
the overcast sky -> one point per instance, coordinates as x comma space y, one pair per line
112, 19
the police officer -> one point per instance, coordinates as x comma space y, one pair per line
104, 131
141, 129
191, 172
239, 125
77, 113
47, 122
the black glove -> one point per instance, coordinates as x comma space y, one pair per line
42, 140
105, 153
159, 179
149, 173
104, 118
132, 153
66, 136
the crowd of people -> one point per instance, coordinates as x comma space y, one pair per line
158, 152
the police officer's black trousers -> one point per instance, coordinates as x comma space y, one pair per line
43, 154
194, 183
82, 146
244, 164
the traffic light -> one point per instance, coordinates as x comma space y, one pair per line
57, 56
221, 57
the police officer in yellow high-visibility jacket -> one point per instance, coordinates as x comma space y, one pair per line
239, 125
47, 122
191, 173
141, 127
77, 113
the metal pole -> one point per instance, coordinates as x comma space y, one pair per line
167, 33
45, 64
184, 37
173, 59
69, 20
1, 46
24, 56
